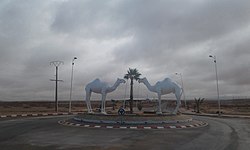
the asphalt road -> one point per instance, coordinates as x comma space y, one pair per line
45, 133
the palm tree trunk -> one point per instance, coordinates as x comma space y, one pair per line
198, 108
131, 96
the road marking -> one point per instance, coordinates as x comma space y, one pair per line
133, 127
160, 127
122, 127
128, 127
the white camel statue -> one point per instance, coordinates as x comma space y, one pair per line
164, 87
100, 87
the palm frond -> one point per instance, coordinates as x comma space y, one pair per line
132, 74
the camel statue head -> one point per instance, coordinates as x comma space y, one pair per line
142, 80
120, 80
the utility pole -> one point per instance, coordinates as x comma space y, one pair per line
56, 64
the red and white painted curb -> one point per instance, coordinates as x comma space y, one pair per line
165, 126
38, 115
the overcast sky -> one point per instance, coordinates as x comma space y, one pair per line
159, 38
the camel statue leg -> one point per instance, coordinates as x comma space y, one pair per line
88, 95
159, 104
90, 108
178, 94
87, 98
103, 103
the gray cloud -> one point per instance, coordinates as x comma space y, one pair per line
157, 37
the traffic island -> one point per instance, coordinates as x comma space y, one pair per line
133, 121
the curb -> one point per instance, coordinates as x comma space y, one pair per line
38, 115
139, 127
130, 122
216, 115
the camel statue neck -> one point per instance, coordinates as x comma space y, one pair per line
116, 84
150, 87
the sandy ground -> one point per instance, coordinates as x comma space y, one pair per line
237, 107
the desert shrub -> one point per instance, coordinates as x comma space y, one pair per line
139, 106
198, 102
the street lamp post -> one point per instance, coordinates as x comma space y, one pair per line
182, 89
70, 95
218, 95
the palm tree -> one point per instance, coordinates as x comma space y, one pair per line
132, 74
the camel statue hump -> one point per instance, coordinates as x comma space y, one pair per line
168, 79
97, 80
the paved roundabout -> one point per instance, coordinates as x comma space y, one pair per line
44, 132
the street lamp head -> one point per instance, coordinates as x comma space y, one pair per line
73, 60
214, 57
178, 74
